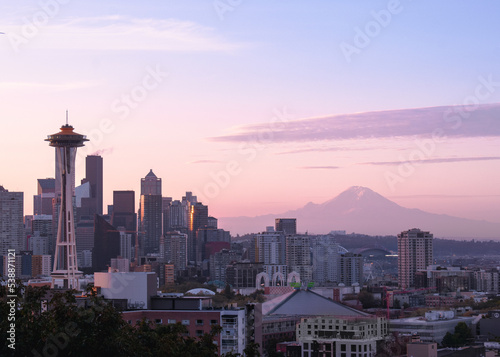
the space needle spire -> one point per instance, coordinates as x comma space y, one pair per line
65, 263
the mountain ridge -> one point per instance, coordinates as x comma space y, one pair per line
362, 210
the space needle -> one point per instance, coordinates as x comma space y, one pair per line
65, 263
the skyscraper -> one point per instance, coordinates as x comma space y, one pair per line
270, 247
93, 175
12, 234
414, 252
150, 214
198, 218
124, 213
351, 269
286, 225
42, 201
66, 143
326, 257
151, 185
174, 250
298, 256
106, 244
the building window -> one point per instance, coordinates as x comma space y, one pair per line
158, 321
171, 321
199, 322
353, 348
185, 322
213, 322
306, 345
342, 347
199, 333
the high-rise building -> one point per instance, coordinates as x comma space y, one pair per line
125, 244
174, 250
84, 239
106, 244
38, 244
220, 261
286, 225
243, 274
298, 256
414, 253
212, 222
150, 214
42, 201
198, 218
41, 234
166, 207
206, 236
40, 265
151, 185
124, 214
270, 247
177, 217
351, 269
12, 234
326, 255
66, 143
94, 175
120, 264
150, 223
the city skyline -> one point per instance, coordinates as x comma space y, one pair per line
260, 108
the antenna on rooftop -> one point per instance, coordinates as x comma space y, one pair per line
66, 116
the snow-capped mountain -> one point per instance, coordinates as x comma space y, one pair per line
361, 210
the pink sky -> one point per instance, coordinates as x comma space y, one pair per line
258, 110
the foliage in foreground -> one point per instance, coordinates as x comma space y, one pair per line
65, 329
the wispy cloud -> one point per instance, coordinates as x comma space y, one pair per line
319, 167
206, 162
453, 121
324, 149
434, 161
443, 196
124, 33
47, 86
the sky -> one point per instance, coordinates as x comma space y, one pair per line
260, 106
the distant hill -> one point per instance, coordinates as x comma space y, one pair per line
361, 210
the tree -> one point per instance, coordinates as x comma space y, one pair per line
450, 340
459, 338
463, 332
367, 300
252, 350
64, 328
228, 293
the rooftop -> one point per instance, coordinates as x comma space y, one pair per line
307, 303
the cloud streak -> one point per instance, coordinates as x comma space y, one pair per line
434, 161
124, 33
319, 167
324, 149
452, 121
206, 162
48, 86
